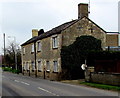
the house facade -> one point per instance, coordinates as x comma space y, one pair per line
41, 54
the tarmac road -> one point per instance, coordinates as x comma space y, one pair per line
19, 85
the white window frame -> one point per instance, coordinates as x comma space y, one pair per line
39, 46
55, 66
32, 48
47, 65
39, 65
55, 41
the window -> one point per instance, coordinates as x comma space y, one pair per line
27, 66
33, 65
24, 66
39, 66
32, 48
23, 50
47, 66
39, 46
55, 42
55, 66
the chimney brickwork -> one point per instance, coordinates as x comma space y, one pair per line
82, 10
34, 32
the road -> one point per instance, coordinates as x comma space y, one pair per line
19, 85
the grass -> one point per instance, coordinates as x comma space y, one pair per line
9, 69
101, 86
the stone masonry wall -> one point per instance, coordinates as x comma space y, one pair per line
83, 27
47, 53
112, 40
106, 78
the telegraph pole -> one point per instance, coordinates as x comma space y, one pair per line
89, 7
4, 47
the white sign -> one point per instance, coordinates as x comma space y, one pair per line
84, 66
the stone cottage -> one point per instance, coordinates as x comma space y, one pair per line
41, 54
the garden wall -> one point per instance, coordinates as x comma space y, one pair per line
105, 78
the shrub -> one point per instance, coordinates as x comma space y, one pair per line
73, 56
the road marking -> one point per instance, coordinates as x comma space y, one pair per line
21, 82
47, 91
25, 83
16, 81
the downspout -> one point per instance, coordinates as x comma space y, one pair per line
35, 59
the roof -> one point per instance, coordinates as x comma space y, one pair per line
57, 30
29, 41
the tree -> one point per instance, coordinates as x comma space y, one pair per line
74, 55
10, 55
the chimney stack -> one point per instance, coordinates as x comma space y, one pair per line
34, 32
41, 31
82, 10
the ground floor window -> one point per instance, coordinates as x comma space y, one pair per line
33, 65
39, 66
27, 66
24, 66
55, 66
47, 66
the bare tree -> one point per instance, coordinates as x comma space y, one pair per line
10, 50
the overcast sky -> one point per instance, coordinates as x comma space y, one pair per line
19, 17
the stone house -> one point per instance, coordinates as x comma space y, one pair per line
41, 54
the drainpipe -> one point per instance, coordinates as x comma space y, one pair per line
35, 59
29, 70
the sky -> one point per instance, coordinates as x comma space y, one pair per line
19, 17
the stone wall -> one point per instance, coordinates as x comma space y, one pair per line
83, 27
106, 78
112, 40
47, 53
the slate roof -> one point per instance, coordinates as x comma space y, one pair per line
56, 30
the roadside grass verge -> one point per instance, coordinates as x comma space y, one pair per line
10, 70
101, 86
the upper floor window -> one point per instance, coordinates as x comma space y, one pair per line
55, 42
39, 46
48, 65
55, 66
32, 48
23, 50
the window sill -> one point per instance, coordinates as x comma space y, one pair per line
32, 70
48, 71
39, 51
39, 71
55, 72
32, 52
55, 48
28, 70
